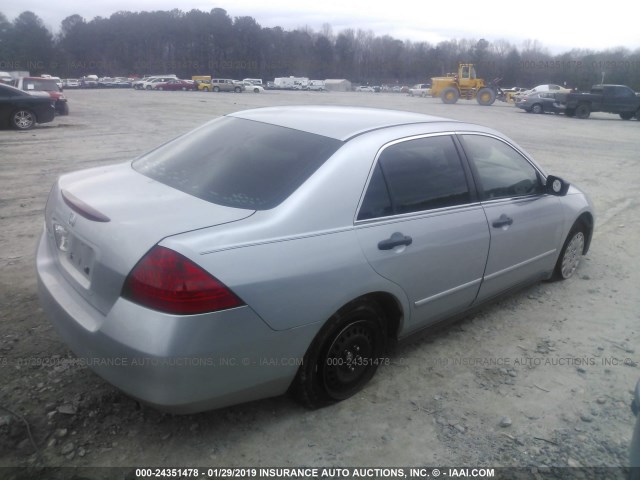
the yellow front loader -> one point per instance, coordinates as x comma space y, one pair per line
464, 84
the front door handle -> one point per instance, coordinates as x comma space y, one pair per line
503, 221
394, 241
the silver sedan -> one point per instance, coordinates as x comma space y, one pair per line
282, 248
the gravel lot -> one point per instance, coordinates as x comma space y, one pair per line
569, 350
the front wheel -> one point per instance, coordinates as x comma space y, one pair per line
537, 108
23, 119
343, 357
450, 95
571, 254
583, 111
237, 89
486, 96
216, 89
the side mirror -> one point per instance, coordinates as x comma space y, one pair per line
556, 186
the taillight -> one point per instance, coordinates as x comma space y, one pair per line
166, 281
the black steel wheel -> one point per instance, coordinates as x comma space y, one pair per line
343, 357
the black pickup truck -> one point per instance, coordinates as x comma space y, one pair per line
618, 99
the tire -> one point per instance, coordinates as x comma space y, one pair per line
148, 87
583, 111
23, 119
338, 363
205, 89
537, 108
570, 254
570, 112
450, 95
626, 116
237, 89
160, 88
216, 89
256, 90
184, 89
486, 96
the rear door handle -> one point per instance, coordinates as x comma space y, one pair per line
503, 221
394, 241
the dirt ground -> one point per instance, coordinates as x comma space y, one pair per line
542, 378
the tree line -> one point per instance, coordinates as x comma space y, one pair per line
213, 43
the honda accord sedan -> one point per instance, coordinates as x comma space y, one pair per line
281, 249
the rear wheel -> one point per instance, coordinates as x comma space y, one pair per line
570, 112
537, 108
571, 253
583, 111
237, 89
343, 357
206, 89
486, 96
450, 95
626, 115
216, 89
23, 119
160, 88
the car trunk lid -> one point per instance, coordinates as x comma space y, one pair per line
102, 221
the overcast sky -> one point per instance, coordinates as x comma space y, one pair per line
557, 24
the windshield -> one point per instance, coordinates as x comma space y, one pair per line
238, 163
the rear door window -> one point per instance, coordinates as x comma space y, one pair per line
416, 175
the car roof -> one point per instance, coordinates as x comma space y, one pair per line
339, 122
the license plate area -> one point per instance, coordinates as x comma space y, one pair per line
75, 255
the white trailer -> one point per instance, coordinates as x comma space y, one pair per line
291, 83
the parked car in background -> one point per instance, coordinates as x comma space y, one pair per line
317, 85
176, 84
252, 87
71, 83
420, 90
297, 240
254, 81
49, 85
144, 82
6, 78
541, 102
223, 85
618, 99
550, 87
21, 110
364, 88
89, 81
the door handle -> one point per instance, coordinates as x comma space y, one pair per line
394, 241
503, 221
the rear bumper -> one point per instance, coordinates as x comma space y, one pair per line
178, 364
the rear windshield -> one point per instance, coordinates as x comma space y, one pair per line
238, 163
44, 84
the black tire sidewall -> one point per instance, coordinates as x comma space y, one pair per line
309, 385
557, 273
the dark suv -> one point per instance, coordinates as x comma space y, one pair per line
49, 85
